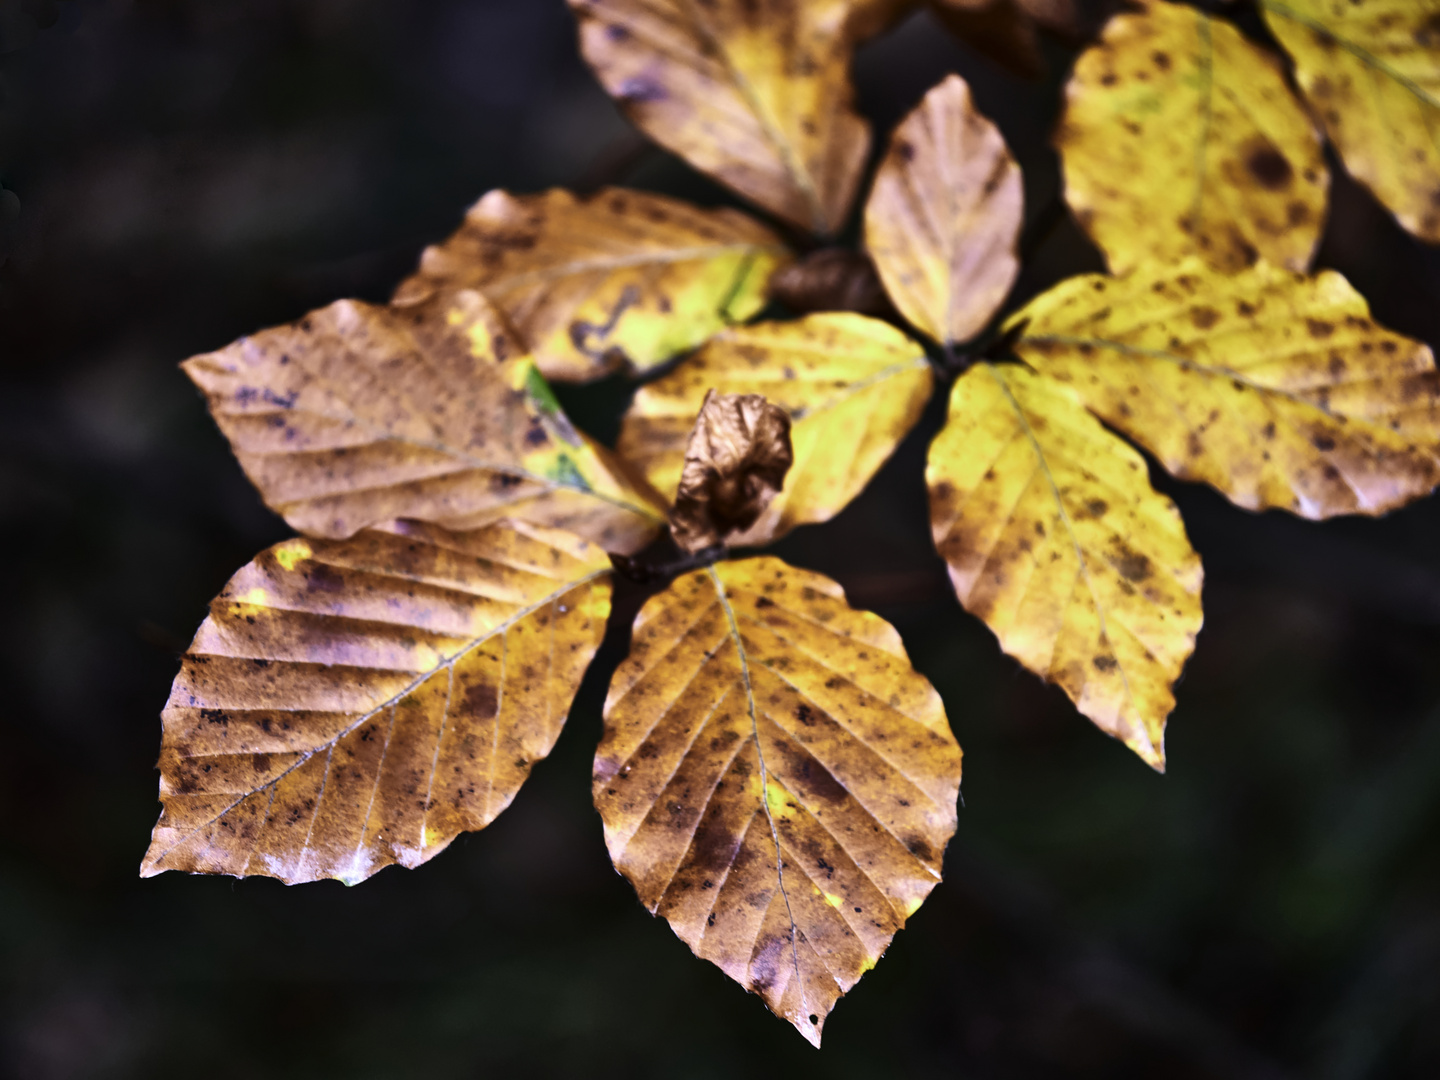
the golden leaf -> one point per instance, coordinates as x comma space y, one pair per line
735, 463
756, 95
944, 216
757, 711
1181, 137
615, 278
352, 704
1278, 389
1055, 538
1371, 72
853, 388
358, 414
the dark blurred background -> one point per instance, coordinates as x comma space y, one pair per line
180, 172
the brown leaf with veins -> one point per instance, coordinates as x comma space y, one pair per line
832, 279
736, 462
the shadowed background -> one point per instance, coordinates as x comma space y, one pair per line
177, 173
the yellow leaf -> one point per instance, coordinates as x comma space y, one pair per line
756, 95
1278, 389
1055, 538
1371, 72
388, 692
619, 277
1181, 137
944, 216
358, 414
758, 711
853, 387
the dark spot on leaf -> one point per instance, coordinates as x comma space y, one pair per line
1269, 168
1105, 663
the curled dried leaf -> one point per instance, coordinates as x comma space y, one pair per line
832, 279
735, 463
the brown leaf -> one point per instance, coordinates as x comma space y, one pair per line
775, 780
735, 463
1006, 30
618, 278
944, 216
358, 414
831, 279
356, 703
755, 94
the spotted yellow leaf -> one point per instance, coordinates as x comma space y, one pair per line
944, 216
853, 386
352, 704
619, 278
1055, 538
1371, 72
775, 780
1278, 389
756, 94
1180, 137
357, 414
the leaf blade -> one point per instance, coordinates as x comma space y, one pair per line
1054, 538
352, 704
756, 95
1372, 76
804, 713
1180, 138
948, 271
1288, 394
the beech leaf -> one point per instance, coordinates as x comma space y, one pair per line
357, 414
1371, 73
1180, 137
735, 463
832, 279
1055, 538
853, 388
944, 216
613, 279
1278, 389
352, 704
757, 95
775, 780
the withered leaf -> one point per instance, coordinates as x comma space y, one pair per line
831, 279
613, 279
756, 94
352, 704
853, 387
1371, 72
775, 780
1180, 137
1006, 31
944, 216
1055, 538
735, 463
357, 414
1278, 389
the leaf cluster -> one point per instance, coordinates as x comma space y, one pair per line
774, 778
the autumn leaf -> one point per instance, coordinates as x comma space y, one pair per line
357, 703
1371, 73
757, 712
756, 95
1055, 538
735, 464
944, 216
1181, 137
617, 278
1006, 31
357, 414
831, 279
854, 387
1278, 389
864, 19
